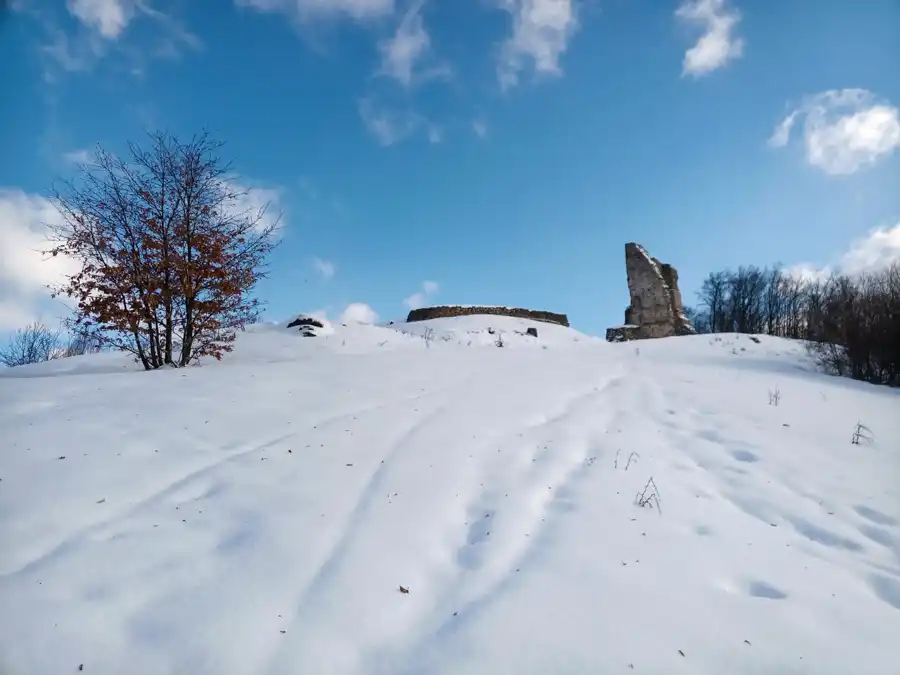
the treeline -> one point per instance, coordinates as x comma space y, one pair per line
851, 323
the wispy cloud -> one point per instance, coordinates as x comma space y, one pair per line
324, 268
844, 130
480, 128
309, 10
420, 297
718, 44
358, 312
80, 156
174, 35
71, 53
388, 126
540, 35
107, 17
435, 134
404, 54
103, 27
308, 186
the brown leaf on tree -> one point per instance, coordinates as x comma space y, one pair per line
168, 258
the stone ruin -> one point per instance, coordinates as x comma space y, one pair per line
656, 309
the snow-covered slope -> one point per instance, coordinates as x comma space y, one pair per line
260, 515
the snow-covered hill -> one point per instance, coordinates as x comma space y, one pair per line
260, 515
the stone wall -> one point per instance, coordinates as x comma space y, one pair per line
445, 311
622, 334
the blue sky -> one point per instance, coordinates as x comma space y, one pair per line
477, 151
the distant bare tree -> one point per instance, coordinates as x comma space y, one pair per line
699, 319
796, 319
82, 342
712, 297
852, 323
33, 344
774, 301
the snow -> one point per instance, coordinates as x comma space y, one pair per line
471, 306
259, 515
484, 330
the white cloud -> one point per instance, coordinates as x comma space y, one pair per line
25, 271
540, 34
81, 156
100, 27
844, 130
480, 128
321, 314
107, 17
782, 133
175, 34
876, 250
718, 44
15, 315
407, 48
419, 298
807, 272
258, 201
358, 312
435, 134
409, 44
308, 10
325, 268
388, 127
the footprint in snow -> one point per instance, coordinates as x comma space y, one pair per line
754, 588
823, 536
745, 456
874, 515
882, 536
703, 531
761, 589
886, 588
479, 532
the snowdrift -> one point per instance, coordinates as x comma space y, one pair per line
260, 515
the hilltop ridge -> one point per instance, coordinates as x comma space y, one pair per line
561, 505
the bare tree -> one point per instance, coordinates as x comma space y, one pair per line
852, 323
699, 319
796, 307
744, 299
169, 257
33, 344
82, 342
774, 301
712, 298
